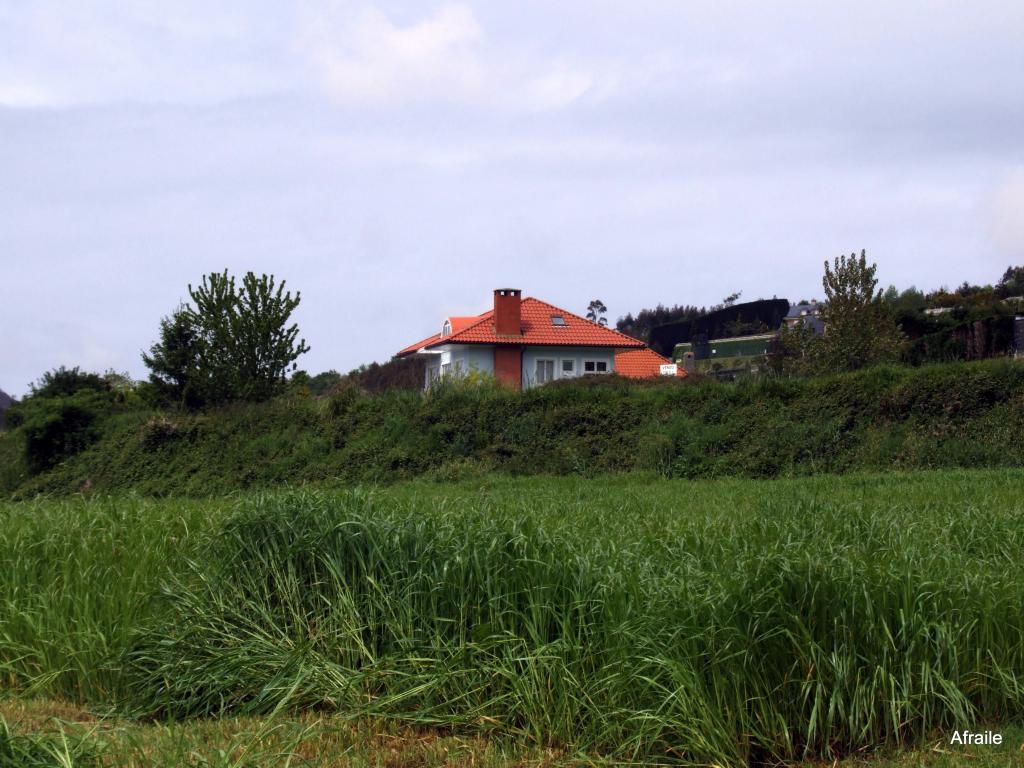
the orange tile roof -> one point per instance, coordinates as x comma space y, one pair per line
419, 345
537, 329
642, 364
461, 323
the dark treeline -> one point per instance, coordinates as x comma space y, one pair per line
639, 327
965, 303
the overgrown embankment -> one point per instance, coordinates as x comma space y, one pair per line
953, 415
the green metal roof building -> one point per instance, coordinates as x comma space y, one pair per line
741, 346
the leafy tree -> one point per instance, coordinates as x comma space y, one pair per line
1012, 283
323, 381
174, 361
908, 310
859, 326
596, 311
232, 342
301, 381
61, 382
902, 303
796, 351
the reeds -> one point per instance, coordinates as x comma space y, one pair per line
714, 623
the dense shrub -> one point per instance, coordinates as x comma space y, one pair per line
157, 432
934, 416
62, 382
57, 428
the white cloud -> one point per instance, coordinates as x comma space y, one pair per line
557, 88
366, 58
372, 60
23, 94
1008, 213
59, 54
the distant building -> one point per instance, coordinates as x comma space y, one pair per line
525, 342
720, 349
808, 313
747, 319
732, 356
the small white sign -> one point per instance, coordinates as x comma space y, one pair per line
669, 369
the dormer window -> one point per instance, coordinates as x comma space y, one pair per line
558, 321
446, 329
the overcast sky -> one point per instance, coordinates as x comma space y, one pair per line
397, 161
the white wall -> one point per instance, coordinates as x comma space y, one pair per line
471, 357
558, 354
462, 358
433, 369
479, 357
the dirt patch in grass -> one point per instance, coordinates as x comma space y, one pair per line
35, 715
310, 740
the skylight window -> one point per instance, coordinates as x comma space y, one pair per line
558, 321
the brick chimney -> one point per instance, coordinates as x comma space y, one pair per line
508, 319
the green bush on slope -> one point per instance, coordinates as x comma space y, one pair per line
953, 415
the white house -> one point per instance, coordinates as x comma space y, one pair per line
526, 342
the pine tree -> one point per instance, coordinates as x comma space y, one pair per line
596, 311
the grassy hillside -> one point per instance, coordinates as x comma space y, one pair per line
954, 415
721, 622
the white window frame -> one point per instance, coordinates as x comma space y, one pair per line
596, 362
562, 373
554, 369
446, 329
446, 369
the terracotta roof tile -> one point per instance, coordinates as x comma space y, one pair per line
419, 345
461, 323
537, 329
642, 364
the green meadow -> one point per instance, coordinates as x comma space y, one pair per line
519, 621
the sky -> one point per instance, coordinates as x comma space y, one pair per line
395, 162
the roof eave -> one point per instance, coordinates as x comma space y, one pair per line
519, 341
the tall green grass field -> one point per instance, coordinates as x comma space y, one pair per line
721, 622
